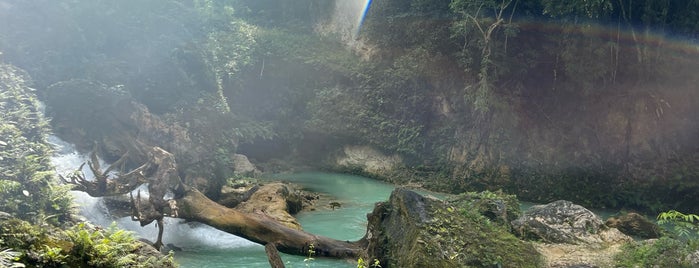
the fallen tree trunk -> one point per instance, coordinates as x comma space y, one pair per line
260, 228
160, 172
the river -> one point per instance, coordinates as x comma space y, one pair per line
357, 196
204, 247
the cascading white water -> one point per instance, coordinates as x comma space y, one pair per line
203, 246
183, 235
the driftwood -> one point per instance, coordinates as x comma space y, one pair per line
103, 184
160, 172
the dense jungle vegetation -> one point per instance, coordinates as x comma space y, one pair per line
588, 100
593, 101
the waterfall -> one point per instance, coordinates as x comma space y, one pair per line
188, 236
347, 19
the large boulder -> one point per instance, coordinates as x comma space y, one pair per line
564, 222
635, 224
411, 230
368, 160
572, 235
243, 166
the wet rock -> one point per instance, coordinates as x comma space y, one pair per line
243, 166
410, 230
634, 224
564, 222
368, 160
231, 197
273, 200
570, 235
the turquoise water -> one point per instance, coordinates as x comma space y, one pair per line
356, 194
201, 246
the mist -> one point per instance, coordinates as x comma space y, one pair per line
590, 102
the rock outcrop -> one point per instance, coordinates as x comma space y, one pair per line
410, 230
570, 235
564, 222
368, 159
243, 166
635, 224
276, 200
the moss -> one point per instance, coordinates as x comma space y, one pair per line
497, 206
414, 231
462, 237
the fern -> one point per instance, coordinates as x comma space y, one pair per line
8, 258
683, 225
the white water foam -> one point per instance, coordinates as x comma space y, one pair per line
188, 236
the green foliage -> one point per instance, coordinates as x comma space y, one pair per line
397, 24
226, 52
309, 255
112, 247
42, 247
217, 14
475, 240
590, 9
27, 181
103, 248
81, 245
684, 226
484, 28
664, 252
9, 258
668, 251
361, 263
496, 206
391, 99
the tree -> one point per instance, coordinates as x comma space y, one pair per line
479, 26
160, 172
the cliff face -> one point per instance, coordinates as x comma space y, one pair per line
605, 116
615, 128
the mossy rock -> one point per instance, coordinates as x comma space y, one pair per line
411, 230
635, 224
496, 206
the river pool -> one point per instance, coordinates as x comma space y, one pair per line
357, 196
